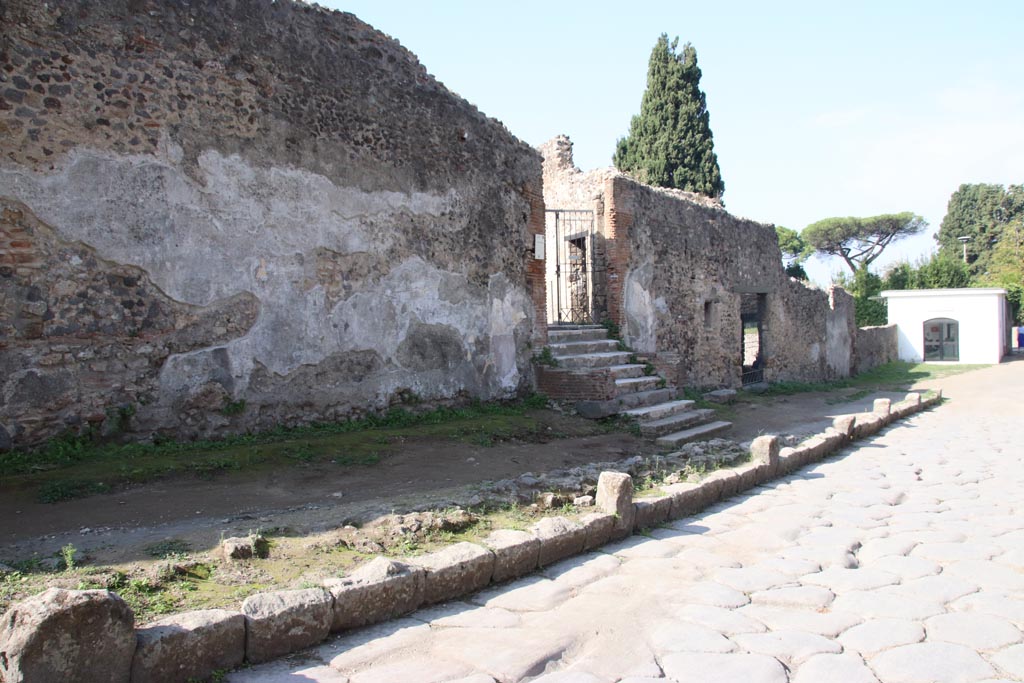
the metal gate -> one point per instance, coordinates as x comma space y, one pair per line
752, 310
573, 270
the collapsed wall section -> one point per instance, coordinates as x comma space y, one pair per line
223, 216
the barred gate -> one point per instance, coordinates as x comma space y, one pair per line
752, 311
574, 266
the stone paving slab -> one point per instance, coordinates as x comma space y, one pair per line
898, 561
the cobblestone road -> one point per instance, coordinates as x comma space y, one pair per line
899, 561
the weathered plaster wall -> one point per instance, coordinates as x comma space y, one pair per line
213, 202
876, 346
678, 266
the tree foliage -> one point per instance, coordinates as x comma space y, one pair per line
982, 213
791, 244
1006, 269
865, 287
793, 251
859, 241
670, 143
938, 272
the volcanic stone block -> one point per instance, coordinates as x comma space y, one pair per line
280, 622
615, 496
62, 635
381, 589
650, 512
456, 570
189, 646
765, 450
845, 424
559, 538
599, 527
515, 553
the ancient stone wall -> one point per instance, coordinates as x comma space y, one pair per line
875, 346
220, 216
679, 266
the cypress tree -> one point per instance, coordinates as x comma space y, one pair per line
669, 142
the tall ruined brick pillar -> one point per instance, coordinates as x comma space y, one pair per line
535, 270
617, 220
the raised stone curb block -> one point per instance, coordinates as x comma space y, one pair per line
559, 538
599, 527
686, 498
650, 512
381, 589
764, 452
615, 496
869, 424
845, 424
189, 646
515, 553
61, 635
728, 482
281, 622
456, 570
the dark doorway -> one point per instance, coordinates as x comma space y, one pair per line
752, 313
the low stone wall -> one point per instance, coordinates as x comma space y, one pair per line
875, 346
95, 627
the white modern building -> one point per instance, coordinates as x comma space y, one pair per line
950, 325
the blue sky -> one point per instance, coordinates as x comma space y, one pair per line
818, 108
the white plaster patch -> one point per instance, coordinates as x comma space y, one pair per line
257, 229
641, 311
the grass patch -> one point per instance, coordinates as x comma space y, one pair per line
895, 376
75, 466
171, 547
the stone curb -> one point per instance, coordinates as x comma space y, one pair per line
280, 622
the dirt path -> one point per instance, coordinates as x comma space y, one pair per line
309, 498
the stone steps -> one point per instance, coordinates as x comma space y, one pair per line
634, 384
562, 335
701, 432
676, 423
628, 370
660, 410
594, 360
576, 348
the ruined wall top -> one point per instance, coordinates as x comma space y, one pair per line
275, 81
561, 175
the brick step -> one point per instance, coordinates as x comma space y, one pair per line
660, 410
613, 406
704, 431
594, 360
676, 423
575, 348
635, 384
624, 371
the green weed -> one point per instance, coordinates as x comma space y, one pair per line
67, 554
545, 357
233, 407
171, 547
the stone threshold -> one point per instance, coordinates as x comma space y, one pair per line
193, 645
